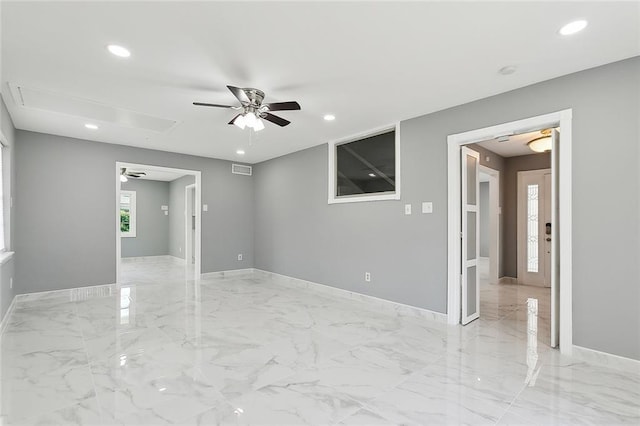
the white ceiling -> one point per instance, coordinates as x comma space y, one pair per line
369, 63
514, 147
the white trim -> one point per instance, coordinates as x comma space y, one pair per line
563, 119
69, 294
133, 214
616, 362
494, 222
5, 320
331, 147
228, 273
198, 176
507, 280
6, 256
376, 303
153, 259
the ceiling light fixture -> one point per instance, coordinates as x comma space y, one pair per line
119, 51
249, 120
329, 117
542, 143
240, 152
91, 126
573, 27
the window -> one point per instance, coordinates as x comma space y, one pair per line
532, 228
366, 168
127, 213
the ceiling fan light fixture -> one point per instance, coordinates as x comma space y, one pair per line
240, 121
258, 125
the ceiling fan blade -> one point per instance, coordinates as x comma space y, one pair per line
212, 105
239, 93
234, 118
275, 119
283, 106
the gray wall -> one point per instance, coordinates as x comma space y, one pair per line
483, 204
509, 185
8, 183
298, 234
48, 169
177, 209
152, 225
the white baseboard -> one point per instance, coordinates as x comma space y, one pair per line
69, 294
612, 361
152, 259
399, 309
5, 319
507, 280
227, 274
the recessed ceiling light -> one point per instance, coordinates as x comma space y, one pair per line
91, 126
509, 69
240, 152
120, 51
372, 174
573, 27
329, 117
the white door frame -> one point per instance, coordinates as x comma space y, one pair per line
560, 119
521, 233
198, 176
187, 224
494, 222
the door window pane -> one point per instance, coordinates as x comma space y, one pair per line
471, 290
532, 228
471, 180
471, 235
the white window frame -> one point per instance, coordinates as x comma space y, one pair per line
132, 214
5, 216
332, 170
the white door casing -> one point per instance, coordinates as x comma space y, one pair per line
554, 246
470, 178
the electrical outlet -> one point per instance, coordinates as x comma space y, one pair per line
367, 277
407, 209
11, 282
240, 256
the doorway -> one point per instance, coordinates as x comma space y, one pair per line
157, 195
461, 254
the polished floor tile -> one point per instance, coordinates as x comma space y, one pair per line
161, 348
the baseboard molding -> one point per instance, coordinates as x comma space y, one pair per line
507, 280
69, 294
612, 361
227, 274
5, 319
152, 259
399, 309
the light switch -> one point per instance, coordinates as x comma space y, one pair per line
427, 207
164, 208
205, 207
407, 209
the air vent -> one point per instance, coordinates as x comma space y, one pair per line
87, 109
241, 169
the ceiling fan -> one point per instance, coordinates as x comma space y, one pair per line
124, 174
252, 110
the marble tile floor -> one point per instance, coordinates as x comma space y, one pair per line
249, 350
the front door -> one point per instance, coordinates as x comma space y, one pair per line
534, 227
